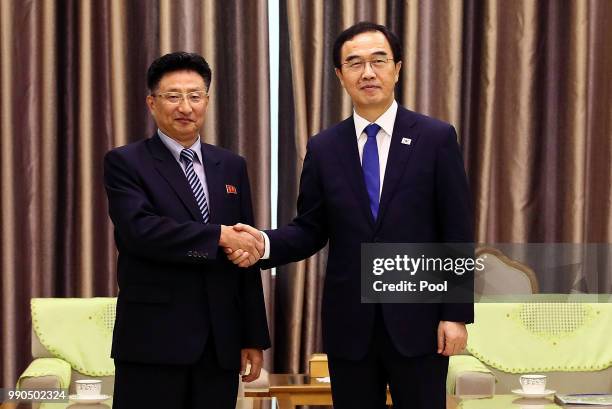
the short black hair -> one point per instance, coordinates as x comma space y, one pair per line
366, 27
177, 61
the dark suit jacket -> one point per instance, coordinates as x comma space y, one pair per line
175, 285
425, 198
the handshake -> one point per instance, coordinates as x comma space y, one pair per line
243, 244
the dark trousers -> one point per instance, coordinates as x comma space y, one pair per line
415, 382
203, 385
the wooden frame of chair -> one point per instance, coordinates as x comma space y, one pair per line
535, 287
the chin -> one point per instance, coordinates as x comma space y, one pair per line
373, 101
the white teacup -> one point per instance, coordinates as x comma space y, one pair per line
533, 383
88, 387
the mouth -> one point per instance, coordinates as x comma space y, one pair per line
369, 87
184, 120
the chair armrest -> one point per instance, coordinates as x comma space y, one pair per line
468, 376
40, 382
44, 373
475, 383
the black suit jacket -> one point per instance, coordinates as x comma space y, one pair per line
425, 198
176, 286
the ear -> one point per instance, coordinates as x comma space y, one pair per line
340, 77
150, 101
207, 101
398, 67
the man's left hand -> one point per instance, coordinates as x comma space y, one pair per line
452, 337
255, 358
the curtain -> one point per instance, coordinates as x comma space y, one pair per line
72, 86
527, 85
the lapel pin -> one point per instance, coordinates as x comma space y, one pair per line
406, 141
231, 189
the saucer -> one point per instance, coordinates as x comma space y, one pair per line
546, 392
88, 399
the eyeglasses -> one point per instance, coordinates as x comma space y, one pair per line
358, 64
175, 98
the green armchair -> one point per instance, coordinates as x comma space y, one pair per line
71, 340
567, 341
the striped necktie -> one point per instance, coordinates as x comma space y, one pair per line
187, 157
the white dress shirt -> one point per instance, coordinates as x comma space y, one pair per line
383, 141
383, 138
198, 164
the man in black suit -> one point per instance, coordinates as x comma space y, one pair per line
384, 175
188, 320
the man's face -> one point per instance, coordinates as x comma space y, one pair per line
369, 87
180, 121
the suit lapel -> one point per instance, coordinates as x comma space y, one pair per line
214, 181
348, 154
399, 153
171, 171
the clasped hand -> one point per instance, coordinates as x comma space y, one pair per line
243, 244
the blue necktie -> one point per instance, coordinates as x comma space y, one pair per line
187, 156
371, 168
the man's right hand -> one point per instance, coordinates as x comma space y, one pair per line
245, 248
238, 255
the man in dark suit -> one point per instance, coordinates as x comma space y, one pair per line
385, 175
188, 320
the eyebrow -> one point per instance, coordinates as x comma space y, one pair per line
177, 89
376, 53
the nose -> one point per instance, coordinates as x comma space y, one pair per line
184, 106
368, 72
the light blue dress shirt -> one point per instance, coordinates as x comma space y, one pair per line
198, 164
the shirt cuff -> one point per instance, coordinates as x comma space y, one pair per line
266, 254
